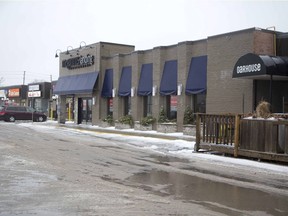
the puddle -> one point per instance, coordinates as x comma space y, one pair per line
213, 195
167, 159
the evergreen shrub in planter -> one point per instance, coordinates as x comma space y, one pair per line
125, 122
107, 122
145, 123
164, 124
189, 127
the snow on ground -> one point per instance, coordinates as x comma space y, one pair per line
179, 148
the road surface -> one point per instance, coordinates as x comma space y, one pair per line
60, 171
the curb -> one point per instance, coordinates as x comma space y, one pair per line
130, 133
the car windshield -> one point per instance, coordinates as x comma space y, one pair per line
30, 109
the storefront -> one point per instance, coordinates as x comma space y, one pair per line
39, 95
14, 95
209, 75
270, 79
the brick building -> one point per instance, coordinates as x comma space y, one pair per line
106, 78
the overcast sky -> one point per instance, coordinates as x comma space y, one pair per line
32, 31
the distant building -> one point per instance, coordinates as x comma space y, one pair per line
13, 95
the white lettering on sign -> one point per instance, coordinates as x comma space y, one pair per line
34, 94
78, 62
248, 68
34, 87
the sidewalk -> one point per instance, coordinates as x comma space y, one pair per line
130, 132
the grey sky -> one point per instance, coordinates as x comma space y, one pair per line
31, 31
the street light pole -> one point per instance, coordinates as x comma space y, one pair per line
24, 77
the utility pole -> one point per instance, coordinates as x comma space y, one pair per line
24, 78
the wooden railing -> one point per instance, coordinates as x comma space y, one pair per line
217, 129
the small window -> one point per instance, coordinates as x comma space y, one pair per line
30, 109
22, 109
11, 109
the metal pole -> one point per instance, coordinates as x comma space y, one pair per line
283, 104
24, 78
243, 102
271, 85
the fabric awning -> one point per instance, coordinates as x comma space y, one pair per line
107, 84
76, 84
197, 77
146, 80
260, 66
168, 85
125, 82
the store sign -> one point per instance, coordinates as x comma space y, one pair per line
14, 92
34, 94
34, 87
249, 65
78, 62
3, 93
248, 68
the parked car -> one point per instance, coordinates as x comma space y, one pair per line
12, 113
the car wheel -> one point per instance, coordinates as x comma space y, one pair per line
11, 119
40, 119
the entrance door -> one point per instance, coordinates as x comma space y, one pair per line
84, 110
80, 108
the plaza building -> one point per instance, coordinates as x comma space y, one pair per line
227, 73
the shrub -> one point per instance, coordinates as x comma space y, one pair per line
188, 116
148, 120
263, 110
162, 116
108, 119
127, 119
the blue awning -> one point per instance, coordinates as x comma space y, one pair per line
125, 82
197, 77
168, 85
76, 84
107, 84
146, 80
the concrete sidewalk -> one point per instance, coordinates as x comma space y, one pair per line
130, 132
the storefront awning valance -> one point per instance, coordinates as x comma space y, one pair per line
168, 85
146, 80
76, 84
125, 82
260, 66
197, 77
107, 84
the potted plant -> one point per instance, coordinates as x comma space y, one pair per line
164, 124
189, 127
107, 122
145, 123
124, 122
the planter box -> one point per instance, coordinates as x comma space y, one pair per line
166, 127
263, 136
138, 126
105, 124
189, 130
119, 125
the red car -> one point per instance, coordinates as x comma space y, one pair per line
12, 113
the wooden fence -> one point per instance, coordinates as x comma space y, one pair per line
262, 139
217, 132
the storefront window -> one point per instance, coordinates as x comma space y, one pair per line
127, 105
147, 100
171, 102
199, 103
109, 106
